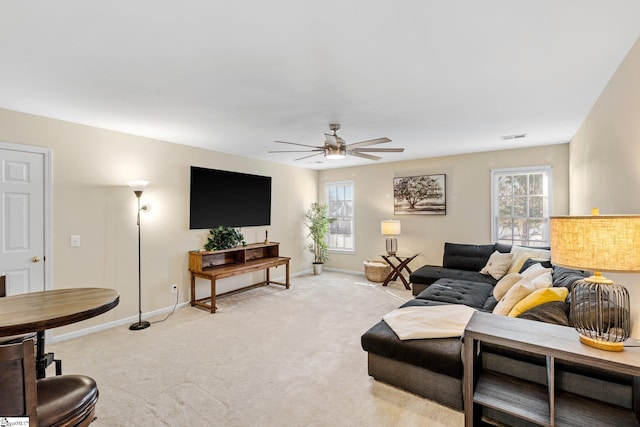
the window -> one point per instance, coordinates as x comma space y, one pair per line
520, 205
339, 196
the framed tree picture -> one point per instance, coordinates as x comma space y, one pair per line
420, 195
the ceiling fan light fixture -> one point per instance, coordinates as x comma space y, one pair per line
335, 152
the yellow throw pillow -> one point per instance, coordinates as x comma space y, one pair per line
497, 265
517, 293
504, 284
537, 298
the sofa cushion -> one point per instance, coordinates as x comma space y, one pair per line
466, 257
428, 274
555, 312
566, 277
453, 291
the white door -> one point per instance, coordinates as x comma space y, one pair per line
22, 250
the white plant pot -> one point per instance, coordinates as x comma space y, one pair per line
317, 269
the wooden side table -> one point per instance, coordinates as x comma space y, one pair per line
540, 404
401, 263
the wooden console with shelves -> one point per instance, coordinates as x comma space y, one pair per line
233, 262
539, 404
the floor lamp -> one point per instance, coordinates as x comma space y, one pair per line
138, 187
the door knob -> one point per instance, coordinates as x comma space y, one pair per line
35, 259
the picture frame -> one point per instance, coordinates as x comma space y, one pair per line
420, 195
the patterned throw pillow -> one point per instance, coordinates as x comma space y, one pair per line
497, 265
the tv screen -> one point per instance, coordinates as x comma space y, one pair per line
230, 199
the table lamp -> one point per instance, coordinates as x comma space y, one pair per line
599, 307
390, 228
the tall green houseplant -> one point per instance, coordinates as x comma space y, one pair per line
318, 224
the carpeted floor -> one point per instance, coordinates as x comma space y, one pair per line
268, 357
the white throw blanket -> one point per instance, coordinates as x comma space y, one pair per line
436, 321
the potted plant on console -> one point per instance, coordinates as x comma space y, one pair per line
224, 238
318, 224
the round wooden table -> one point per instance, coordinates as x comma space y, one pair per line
38, 311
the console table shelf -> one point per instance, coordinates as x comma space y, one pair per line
233, 262
536, 403
530, 401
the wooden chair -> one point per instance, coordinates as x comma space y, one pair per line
65, 400
49, 358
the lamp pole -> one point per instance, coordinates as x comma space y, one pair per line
140, 324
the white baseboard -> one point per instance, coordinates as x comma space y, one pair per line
115, 323
338, 270
132, 319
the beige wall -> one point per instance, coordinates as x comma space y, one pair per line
468, 181
605, 159
90, 198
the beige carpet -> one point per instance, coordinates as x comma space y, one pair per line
268, 357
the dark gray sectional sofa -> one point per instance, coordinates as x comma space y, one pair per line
433, 367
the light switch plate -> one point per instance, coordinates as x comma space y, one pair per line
74, 241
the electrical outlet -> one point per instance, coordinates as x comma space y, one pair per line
174, 288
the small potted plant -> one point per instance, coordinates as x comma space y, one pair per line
224, 238
318, 224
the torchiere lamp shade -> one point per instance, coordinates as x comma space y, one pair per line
600, 308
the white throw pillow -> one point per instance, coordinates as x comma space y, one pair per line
513, 296
535, 270
544, 280
497, 265
542, 254
521, 254
504, 284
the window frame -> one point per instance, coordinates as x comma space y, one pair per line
526, 170
327, 187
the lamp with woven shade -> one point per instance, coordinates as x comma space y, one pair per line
599, 307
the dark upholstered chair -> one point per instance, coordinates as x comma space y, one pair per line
65, 400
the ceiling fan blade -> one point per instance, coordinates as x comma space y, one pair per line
306, 157
295, 143
295, 151
368, 142
378, 150
363, 155
331, 139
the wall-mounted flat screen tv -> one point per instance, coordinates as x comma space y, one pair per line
230, 199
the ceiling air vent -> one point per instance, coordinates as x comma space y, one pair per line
518, 136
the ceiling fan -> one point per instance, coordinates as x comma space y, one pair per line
335, 147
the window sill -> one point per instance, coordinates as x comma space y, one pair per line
342, 251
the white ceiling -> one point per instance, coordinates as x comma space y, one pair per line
437, 77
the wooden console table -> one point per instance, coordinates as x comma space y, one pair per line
539, 404
233, 262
